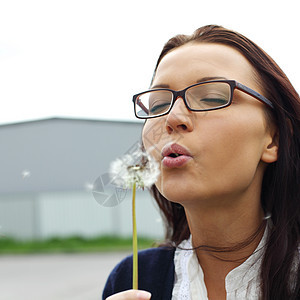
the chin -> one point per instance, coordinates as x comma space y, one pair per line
173, 193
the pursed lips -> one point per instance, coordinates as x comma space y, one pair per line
175, 155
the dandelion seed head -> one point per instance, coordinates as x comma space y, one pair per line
138, 167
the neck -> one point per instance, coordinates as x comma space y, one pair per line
226, 225
235, 229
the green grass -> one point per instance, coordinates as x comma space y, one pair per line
71, 245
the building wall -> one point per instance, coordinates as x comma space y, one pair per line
47, 169
61, 154
63, 214
18, 216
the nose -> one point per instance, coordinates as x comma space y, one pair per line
179, 118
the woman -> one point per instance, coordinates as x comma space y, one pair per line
229, 186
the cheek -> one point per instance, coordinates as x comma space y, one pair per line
154, 136
239, 142
235, 153
230, 154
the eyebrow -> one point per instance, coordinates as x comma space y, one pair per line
166, 86
211, 78
162, 86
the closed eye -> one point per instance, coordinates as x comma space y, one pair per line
214, 101
159, 108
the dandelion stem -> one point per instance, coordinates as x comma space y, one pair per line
134, 242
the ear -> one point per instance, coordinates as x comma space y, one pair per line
270, 153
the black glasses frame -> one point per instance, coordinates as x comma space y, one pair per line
176, 94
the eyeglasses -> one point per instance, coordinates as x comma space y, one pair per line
204, 96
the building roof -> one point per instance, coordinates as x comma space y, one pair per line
20, 123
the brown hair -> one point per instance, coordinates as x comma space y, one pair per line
280, 271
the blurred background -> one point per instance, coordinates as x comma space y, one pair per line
68, 70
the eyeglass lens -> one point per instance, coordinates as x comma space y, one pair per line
200, 97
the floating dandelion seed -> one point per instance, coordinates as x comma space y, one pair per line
88, 186
138, 170
25, 174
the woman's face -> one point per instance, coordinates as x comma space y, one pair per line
227, 149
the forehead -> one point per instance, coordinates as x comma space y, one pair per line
189, 63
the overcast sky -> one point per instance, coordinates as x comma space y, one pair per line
81, 58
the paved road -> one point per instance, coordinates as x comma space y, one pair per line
55, 277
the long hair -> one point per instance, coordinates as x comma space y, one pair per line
280, 269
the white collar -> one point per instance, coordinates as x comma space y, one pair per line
243, 282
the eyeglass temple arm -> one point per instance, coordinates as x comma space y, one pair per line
254, 94
142, 106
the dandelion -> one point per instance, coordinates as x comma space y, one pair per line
136, 170
139, 168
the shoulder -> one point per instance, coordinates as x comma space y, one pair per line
149, 259
155, 274
155, 256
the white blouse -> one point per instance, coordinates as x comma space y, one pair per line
243, 282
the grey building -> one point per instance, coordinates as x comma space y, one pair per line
48, 169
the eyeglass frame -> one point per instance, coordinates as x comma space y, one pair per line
181, 94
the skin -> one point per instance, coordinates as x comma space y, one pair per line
220, 186
131, 295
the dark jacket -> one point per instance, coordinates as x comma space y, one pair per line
155, 274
